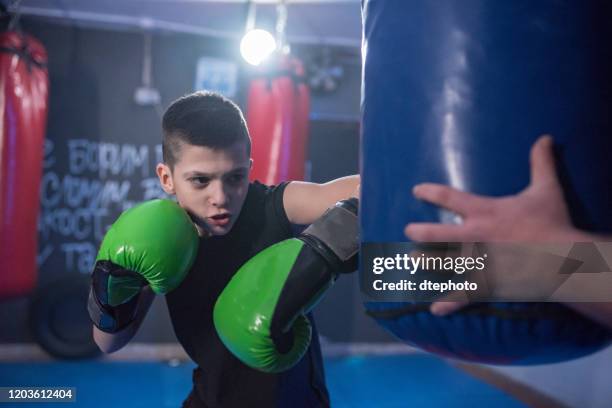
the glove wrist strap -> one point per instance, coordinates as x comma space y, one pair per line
335, 235
109, 319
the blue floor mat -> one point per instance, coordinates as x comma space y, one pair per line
415, 381
391, 381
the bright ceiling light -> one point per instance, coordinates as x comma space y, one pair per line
256, 46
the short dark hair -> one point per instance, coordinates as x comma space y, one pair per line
205, 119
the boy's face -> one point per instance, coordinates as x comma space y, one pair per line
210, 184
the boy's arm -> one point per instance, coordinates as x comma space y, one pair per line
148, 249
110, 343
305, 202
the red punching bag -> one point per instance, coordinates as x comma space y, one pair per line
277, 116
24, 88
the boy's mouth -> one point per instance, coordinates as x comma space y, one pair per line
220, 219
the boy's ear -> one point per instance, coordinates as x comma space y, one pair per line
165, 178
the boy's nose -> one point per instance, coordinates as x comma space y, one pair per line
217, 196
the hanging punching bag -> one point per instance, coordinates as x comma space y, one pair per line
456, 92
277, 117
23, 106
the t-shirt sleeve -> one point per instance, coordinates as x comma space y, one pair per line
276, 209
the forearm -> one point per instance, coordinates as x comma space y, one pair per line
576, 235
598, 311
343, 187
110, 343
305, 202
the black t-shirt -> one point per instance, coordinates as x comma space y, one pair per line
221, 380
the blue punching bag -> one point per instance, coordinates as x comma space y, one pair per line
456, 92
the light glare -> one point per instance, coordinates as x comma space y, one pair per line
256, 46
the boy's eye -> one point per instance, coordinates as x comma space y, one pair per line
236, 178
199, 181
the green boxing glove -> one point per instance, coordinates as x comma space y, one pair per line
155, 244
260, 315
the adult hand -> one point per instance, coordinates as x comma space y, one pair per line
536, 214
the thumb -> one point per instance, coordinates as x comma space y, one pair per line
445, 307
542, 162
